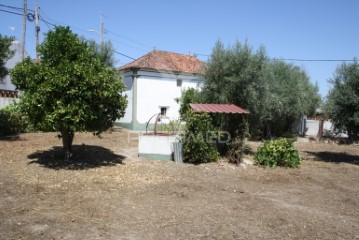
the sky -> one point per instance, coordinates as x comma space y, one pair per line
288, 29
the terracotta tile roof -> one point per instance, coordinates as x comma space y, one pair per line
219, 108
165, 61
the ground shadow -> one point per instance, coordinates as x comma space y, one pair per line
84, 157
10, 138
335, 157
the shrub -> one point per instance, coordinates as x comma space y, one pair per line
198, 144
12, 121
279, 152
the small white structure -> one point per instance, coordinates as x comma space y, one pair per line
153, 82
8, 93
159, 147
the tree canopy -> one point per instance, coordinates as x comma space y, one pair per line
235, 75
70, 89
103, 51
276, 93
342, 103
5, 53
289, 95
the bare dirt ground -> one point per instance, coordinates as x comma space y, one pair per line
106, 192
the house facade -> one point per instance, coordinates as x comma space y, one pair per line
8, 93
152, 84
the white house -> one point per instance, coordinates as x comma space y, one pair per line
153, 82
8, 92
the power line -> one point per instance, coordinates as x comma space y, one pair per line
124, 55
295, 59
11, 12
48, 23
128, 45
15, 8
312, 60
129, 39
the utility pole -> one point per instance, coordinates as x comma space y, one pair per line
102, 29
37, 30
22, 52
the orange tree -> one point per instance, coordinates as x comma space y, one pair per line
71, 89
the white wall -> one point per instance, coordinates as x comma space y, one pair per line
5, 83
160, 90
7, 101
154, 144
128, 114
312, 127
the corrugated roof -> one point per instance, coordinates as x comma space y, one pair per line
165, 61
219, 108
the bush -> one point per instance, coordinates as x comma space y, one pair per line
279, 152
12, 121
198, 144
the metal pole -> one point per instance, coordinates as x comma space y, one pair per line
22, 52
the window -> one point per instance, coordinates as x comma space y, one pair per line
163, 111
179, 82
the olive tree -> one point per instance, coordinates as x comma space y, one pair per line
342, 104
235, 75
69, 89
290, 95
5, 53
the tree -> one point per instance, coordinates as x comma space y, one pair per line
290, 95
342, 104
5, 53
69, 90
235, 75
188, 96
198, 144
104, 52
276, 93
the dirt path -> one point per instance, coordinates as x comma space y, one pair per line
113, 195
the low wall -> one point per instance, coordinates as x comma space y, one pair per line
7, 101
157, 147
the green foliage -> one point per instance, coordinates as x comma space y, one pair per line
69, 90
198, 145
235, 75
12, 121
237, 146
103, 51
275, 93
173, 126
5, 53
279, 152
342, 104
290, 95
188, 96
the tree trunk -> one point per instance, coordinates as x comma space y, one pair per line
67, 138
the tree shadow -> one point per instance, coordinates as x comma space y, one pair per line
11, 138
83, 157
335, 157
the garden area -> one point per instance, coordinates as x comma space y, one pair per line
106, 192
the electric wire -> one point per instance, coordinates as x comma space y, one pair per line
15, 8
129, 39
48, 23
11, 12
295, 59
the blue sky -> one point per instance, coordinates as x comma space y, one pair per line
304, 29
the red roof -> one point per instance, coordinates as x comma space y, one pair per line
165, 61
218, 108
